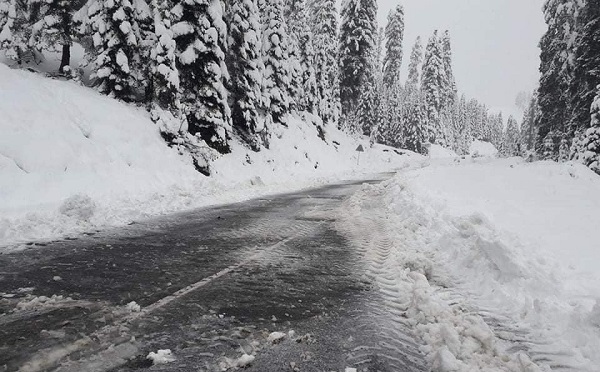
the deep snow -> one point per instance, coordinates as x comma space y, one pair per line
73, 160
494, 261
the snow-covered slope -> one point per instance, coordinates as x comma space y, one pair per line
72, 159
498, 258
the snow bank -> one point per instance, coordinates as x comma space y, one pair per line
439, 152
482, 149
72, 159
500, 258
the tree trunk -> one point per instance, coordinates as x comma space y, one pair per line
66, 58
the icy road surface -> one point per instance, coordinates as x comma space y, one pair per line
267, 285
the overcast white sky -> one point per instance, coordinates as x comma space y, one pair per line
495, 43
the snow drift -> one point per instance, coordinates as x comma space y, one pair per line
497, 260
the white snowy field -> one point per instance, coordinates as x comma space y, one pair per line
493, 262
73, 160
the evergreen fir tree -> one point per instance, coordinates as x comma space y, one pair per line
450, 83
309, 99
144, 17
293, 15
15, 29
414, 126
590, 145
586, 74
324, 21
278, 81
245, 68
511, 143
433, 85
165, 105
200, 36
555, 67
368, 112
54, 27
528, 128
357, 45
394, 34
414, 67
116, 38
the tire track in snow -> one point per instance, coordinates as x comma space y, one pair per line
441, 315
384, 317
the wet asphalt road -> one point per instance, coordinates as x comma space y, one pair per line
211, 285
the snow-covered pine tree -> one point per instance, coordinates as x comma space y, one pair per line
590, 145
416, 57
586, 74
450, 83
144, 18
496, 124
278, 84
245, 69
54, 28
394, 35
377, 60
309, 99
548, 149
116, 40
200, 36
301, 54
528, 127
358, 37
460, 131
324, 21
563, 149
433, 83
368, 111
414, 119
15, 29
557, 54
165, 105
511, 144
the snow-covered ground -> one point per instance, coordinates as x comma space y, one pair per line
72, 159
494, 262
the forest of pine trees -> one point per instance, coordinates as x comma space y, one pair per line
211, 71
561, 121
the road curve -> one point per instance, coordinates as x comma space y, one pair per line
212, 285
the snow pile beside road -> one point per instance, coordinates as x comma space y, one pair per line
439, 152
72, 160
495, 261
482, 149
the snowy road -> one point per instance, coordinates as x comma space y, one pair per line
212, 285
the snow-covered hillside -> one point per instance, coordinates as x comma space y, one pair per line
496, 261
72, 159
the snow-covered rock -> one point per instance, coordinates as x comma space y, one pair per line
163, 356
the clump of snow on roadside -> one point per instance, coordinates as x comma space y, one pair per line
495, 261
31, 302
276, 337
439, 152
80, 207
482, 149
133, 307
72, 159
244, 361
163, 356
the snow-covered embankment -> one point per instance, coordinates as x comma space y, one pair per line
72, 159
494, 262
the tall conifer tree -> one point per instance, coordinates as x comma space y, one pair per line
200, 35
394, 35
